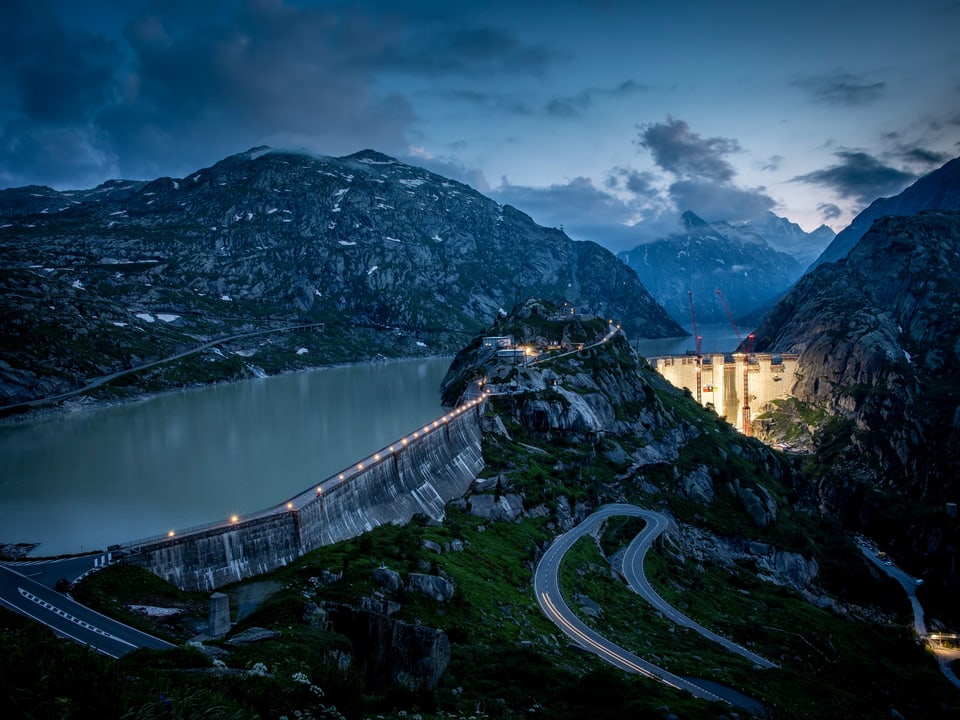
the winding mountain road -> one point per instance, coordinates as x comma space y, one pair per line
546, 583
632, 571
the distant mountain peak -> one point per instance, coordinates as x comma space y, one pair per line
690, 221
372, 156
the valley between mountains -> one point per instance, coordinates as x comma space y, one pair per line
272, 262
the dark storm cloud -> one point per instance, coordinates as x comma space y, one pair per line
586, 212
491, 102
471, 51
841, 89
576, 105
860, 176
66, 77
638, 183
829, 211
64, 157
577, 202
53, 80
686, 154
704, 181
720, 201
274, 73
188, 83
923, 156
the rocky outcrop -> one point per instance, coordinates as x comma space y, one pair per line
491, 507
698, 485
772, 564
390, 651
433, 586
757, 501
388, 579
879, 342
878, 335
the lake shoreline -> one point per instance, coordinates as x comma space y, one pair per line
83, 403
91, 474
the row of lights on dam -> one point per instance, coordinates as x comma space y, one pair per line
417, 434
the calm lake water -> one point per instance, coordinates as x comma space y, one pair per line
87, 480
717, 338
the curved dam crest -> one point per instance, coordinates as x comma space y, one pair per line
415, 478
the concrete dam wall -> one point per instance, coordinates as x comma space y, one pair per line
419, 474
734, 388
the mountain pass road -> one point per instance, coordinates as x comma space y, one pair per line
546, 583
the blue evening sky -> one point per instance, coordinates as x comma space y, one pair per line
606, 117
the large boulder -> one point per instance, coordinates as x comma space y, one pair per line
390, 651
440, 589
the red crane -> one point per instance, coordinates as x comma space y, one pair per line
693, 316
745, 347
699, 341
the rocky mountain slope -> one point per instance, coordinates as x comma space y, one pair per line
438, 619
389, 258
705, 257
879, 340
788, 237
938, 190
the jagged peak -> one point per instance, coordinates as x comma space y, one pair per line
373, 157
690, 220
259, 151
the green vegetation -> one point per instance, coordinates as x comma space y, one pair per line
842, 643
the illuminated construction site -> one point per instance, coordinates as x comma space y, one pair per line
735, 385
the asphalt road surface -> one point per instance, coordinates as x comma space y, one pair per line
632, 570
546, 585
68, 618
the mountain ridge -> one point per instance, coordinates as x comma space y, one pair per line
937, 190
705, 257
878, 334
265, 238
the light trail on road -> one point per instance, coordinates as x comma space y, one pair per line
550, 599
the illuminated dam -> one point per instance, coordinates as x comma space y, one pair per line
735, 386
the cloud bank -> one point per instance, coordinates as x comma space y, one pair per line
858, 175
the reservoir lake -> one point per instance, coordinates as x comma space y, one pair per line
85, 480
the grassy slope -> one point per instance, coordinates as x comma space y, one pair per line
506, 659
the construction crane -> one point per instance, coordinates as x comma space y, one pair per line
746, 349
699, 341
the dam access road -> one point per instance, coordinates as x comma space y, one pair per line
546, 583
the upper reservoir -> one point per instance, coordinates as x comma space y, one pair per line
85, 480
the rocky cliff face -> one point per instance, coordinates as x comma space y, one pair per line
879, 340
109, 277
705, 257
606, 398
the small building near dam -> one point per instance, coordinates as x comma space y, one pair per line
735, 386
